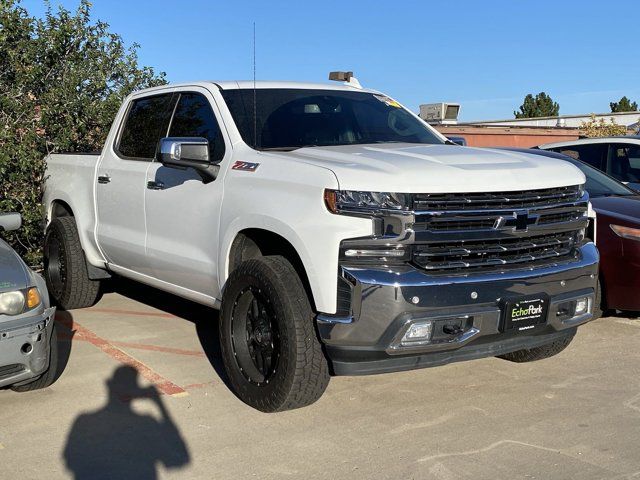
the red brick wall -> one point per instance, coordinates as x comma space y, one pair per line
523, 137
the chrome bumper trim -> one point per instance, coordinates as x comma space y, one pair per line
386, 300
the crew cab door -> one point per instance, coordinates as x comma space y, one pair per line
183, 212
121, 180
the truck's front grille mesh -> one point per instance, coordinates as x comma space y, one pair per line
495, 200
561, 217
446, 224
496, 254
484, 221
344, 298
460, 233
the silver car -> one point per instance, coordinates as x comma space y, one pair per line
28, 343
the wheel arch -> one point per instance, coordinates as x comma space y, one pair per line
59, 208
250, 243
271, 237
61, 205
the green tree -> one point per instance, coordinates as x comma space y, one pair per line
62, 79
624, 105
542, 105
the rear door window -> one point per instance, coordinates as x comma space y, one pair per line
625, 162
146, 123
194, 117
592, 154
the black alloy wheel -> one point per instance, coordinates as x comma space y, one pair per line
55, 264
254, 336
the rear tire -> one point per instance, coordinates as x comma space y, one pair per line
271, 353
538, 353
65, 267
50, 376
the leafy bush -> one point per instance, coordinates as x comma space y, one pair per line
598, 127
62, 79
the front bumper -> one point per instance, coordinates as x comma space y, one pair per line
384, 302
24, 347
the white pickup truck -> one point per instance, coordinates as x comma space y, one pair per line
336, 231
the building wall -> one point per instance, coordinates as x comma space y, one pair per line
622, 118
524, 137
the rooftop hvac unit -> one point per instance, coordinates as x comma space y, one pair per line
446, 113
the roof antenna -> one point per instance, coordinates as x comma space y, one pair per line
255, 108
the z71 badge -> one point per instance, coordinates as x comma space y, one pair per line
245, 166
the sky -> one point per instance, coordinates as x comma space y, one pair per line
485, 55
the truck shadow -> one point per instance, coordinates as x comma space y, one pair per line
204, 318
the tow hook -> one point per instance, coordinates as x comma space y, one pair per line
452, 329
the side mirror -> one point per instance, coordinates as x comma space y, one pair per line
10, 221
188, 152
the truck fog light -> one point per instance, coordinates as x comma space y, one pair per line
418, 333
582, 306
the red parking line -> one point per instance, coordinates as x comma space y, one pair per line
158, 348
162, 384
130, 312
193, 386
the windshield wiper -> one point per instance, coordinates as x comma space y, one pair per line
282, 149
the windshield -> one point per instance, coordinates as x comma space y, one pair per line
286, 119
598, 184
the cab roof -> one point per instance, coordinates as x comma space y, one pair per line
262, 84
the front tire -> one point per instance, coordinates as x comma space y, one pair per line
65, 267
538, 353
271, 353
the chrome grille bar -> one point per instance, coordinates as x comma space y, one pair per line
464, 255
499, 200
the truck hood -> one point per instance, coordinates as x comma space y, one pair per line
14, 274
411, 168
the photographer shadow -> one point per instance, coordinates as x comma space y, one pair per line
118, 442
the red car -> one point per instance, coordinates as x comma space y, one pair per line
617, 235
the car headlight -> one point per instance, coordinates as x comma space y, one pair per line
626, 232
338, 201
19, 301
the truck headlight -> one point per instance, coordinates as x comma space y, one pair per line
19, 301
338, 201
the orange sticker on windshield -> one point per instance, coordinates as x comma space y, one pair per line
388, 101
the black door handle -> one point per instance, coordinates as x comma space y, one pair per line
104, 178
151, 185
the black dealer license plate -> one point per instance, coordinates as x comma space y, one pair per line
522, 314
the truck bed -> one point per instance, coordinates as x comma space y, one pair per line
71, 179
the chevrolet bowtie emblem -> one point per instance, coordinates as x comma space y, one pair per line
520, 221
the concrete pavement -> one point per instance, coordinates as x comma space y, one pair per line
142, 395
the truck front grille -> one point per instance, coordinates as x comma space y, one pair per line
479, 220
472, 232
498, 254
460, 233
495, 200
